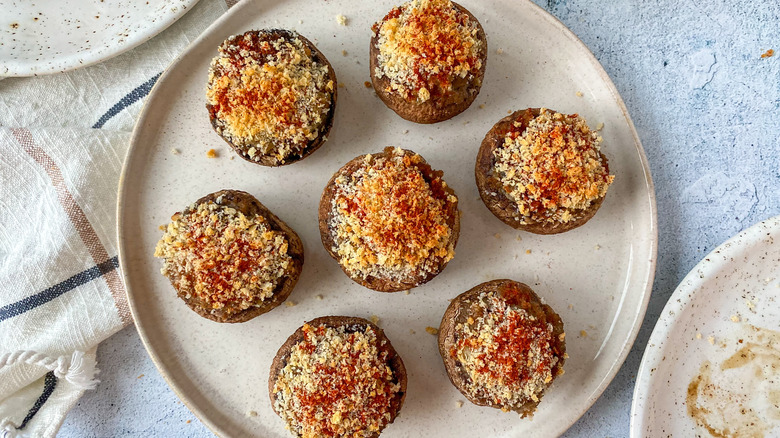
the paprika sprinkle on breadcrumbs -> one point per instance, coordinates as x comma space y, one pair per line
506, 353
553, 169
389, 220
424, 45
228, 260
336, 383
269, 97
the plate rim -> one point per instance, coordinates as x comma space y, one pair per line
640, 317
90, 58
684, 294
652, 237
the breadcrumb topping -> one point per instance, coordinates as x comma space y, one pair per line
268, 97
553, 170
227, 260
507, 354
336, 383
389, 221
424, 45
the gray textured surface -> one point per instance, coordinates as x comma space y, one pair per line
707, 109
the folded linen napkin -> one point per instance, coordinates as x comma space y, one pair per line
62, 142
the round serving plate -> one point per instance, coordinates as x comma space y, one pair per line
52, 36
712, 365
597, 277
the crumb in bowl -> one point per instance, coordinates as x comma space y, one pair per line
736, 396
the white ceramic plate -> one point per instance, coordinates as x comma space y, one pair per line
597, 277
719, 325
50, 36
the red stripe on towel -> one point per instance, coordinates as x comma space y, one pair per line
79, 220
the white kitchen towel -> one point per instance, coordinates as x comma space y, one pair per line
63, 138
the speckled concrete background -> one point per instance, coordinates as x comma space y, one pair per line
707, 109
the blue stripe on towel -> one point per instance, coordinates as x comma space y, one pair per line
31, 302
49, 383
130, 98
